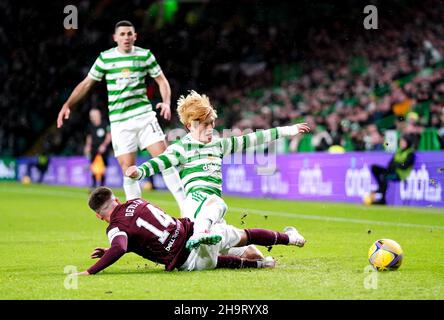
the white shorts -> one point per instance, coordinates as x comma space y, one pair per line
191, 210
136, 133
205, 256
194, 202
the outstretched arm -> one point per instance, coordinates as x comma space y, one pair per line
236, 144
172, 156
88, 144
105, 143
118, 248
80, 92
165, 92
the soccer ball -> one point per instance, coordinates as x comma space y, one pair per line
368, 198
26, 180
385, 254
148, 186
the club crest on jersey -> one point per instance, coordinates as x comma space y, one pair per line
126, 73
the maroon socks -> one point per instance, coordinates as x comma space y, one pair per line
233, 262
266, 238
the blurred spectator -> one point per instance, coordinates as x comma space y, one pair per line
263, 67
398, 168
41, 163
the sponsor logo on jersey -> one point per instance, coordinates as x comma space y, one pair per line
173, 237
211, 167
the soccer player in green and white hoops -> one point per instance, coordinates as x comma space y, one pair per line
133, 122
199, 160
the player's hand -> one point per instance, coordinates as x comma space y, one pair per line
165, 110
98, 253
101, 149
63, 114
87, 151
83, 273
133, 172
302, 127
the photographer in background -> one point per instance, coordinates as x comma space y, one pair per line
398, 168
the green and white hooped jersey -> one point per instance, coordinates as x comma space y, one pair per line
199, 164
125, 79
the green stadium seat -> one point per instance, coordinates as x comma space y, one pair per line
386, 123
305, 144
423, 110
429, 140
382, 90
348, 144
406, 79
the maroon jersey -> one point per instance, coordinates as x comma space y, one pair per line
151, 233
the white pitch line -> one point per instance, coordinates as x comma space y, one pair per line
68, 194
293, 215
333, 219
320, 218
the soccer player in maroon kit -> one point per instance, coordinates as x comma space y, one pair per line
140, 227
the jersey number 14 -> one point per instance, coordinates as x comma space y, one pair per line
163, 219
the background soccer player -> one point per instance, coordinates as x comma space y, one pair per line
200, 160
133, 122
139, 226
98, 139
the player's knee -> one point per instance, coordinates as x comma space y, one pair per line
214, 212
126, 161
206, 263
252, 253
216, 201
243, 238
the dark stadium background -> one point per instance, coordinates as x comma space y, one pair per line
237, 52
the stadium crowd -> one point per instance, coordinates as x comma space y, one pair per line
261, 66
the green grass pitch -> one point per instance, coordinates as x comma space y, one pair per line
43, 229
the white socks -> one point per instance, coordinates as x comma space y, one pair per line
132, 188
202, 225
172, 181
174, 184
213, 211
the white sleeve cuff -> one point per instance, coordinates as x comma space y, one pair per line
114, 233
288, 131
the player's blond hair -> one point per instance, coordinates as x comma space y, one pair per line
194, 107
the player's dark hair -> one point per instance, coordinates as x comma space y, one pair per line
98, 198
123, 23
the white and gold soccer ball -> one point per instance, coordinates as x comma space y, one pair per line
368, 198
385, 254
26, 179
